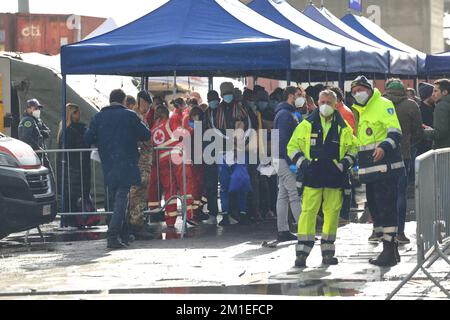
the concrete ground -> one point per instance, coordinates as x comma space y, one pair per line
212, 262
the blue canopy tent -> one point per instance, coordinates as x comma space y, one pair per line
438, 64
372, 31
401, 63
357, 56
196, 37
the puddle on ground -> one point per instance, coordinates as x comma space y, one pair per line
315, 288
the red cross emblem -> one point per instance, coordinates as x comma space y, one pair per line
159, 137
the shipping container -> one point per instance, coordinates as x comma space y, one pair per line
44, 33
7, 31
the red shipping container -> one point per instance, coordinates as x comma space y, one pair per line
7, 31
46, 33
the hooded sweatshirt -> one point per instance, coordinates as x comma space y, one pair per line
285, 122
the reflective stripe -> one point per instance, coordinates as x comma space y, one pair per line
294, 154
378, 230
328, 247
300, 161
388, 238
306, 238
303, 249
391, 142
204, 200
368, 147
397, 165
172, 214
390, 230
375, 169
153, 204
328, 237
395, 130
350, 159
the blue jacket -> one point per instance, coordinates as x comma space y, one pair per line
285, 122
116, 131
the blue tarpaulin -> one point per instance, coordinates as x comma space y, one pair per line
377, 34
401, 63
196, 37
359, 57
438, 64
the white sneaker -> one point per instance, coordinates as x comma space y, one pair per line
211, 221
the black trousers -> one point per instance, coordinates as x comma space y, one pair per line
211, 182
253, 197
382, 202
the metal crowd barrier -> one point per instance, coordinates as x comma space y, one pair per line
433, 214
59, 158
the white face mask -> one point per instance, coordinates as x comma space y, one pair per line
326, 110
300, 102
37, 114
361, 97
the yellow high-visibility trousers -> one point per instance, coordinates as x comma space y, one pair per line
331, 201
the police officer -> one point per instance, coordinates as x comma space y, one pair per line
324, 149
32, 130
380, 163
29, 131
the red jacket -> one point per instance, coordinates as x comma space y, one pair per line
348, 115
162, 136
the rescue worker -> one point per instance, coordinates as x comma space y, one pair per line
170, 175
139, 193
324, 148
33, 131
380, 163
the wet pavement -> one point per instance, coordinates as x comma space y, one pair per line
212, 260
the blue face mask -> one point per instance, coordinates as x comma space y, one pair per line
191, 124
213, 104
262, 105
228, 98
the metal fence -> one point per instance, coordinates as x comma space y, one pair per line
69, 167
433, 214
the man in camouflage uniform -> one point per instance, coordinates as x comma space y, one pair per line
139, 194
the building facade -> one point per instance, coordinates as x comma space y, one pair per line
418, 23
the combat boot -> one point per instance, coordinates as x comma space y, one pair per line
388, 257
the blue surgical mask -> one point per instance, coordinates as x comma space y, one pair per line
262, 105
213, 104
228, 98
191, 124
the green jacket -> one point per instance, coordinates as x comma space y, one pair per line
442, 123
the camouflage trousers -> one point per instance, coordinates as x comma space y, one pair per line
139, 194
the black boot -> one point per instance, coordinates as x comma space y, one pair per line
115, 243
387, 258
397, 254
329, 260
286, 236
300, 262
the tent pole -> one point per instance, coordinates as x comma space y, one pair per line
255, 82
210, 84
174, 84
288, 77
342, 81
142, 83
63, 140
